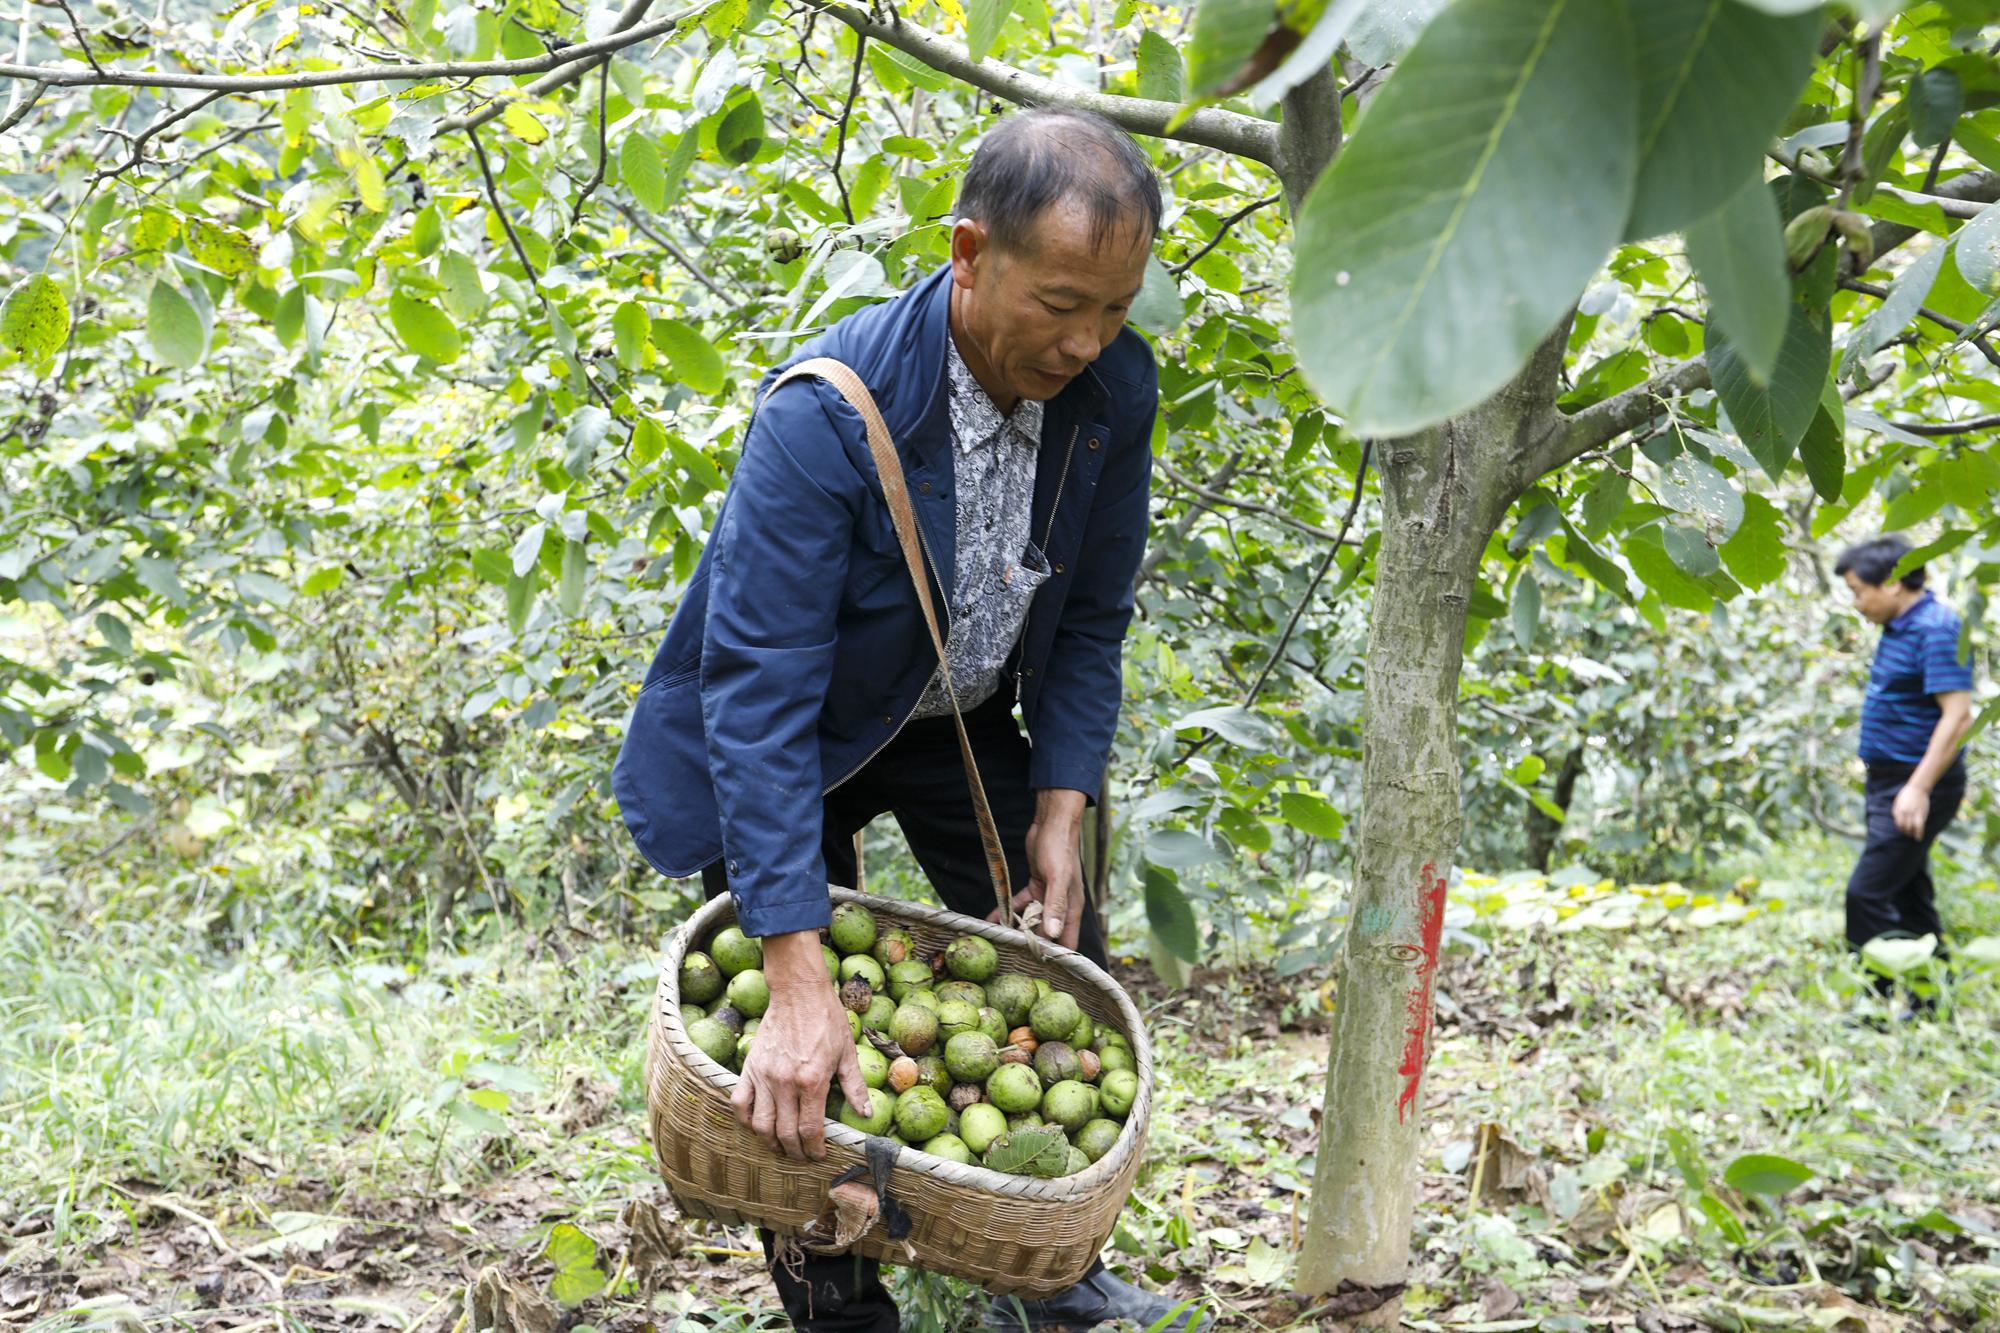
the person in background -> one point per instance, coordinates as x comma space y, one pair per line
1913, 720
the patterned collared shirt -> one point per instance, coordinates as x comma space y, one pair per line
998, 570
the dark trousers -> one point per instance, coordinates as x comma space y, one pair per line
1890, 889
920, 779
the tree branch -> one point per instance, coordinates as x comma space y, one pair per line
1942, 321
847, 110
1231, 131
603, 148
81, 40
1937, 428
1212, 497
1596, 426
316, 78
1221, 232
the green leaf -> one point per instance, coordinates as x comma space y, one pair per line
1694, 487
1178, 849
1690, 550
1646, 551
1234, 723
1526, 610
1161, 74
691, 358
1765, 1173
569, 592
1978, 247
678, 163
1309, 812
1724, 1218
1823, 451
1935, 99
983, 21
1715, 82
464, 294
1773, 418
1690, 1165
1738, 252
34, 321
569, 1247
523, 124
1029, 1151
740, 136
174, 325
1169, 914
1898, 308
1428, 260
521, 598
491, 565
224, 249
1227, 34
581, 442
629, 328
117, 634
1160, 307
639, 166
425, 329
698, 466
263, 588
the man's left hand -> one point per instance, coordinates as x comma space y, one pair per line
1912, 810
1055, 867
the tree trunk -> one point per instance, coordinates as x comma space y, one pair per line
1545, 830
1443, 492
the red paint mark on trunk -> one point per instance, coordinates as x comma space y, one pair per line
1417, 1034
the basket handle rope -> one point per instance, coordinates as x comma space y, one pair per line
889, 468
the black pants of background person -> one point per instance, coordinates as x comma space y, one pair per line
920, 779
1890, 891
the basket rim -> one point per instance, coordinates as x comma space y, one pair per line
667, 1018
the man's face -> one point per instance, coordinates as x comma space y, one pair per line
1040, 315
1881, 603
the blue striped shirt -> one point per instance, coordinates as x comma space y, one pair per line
1916, 661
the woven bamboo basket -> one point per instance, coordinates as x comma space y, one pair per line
1009, 1234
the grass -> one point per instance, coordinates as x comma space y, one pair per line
433, 1116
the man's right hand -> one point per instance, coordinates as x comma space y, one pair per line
802, 1044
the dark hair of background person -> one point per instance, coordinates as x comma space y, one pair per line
1874, 560
1031, 159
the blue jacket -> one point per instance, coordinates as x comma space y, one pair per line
799, 649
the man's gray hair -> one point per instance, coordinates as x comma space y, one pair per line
1032, 159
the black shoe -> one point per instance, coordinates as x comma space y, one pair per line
1098, 1299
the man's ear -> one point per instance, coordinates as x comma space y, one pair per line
969, 251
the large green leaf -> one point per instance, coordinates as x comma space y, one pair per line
34, 322
983, 21
1715, 81
1647, 552
174, 325
1756, 554
1227, 34
1765, 1173
740, 136
629, 330
1432, 256
425, 329
693, 358
1168, 913
1905, 298
1935, 97
1978, 247
1525, 611
1738, 252
464, 293
1823, 451
639, 166
1161, 74
1773, 418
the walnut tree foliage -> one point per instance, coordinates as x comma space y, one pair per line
358, 434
